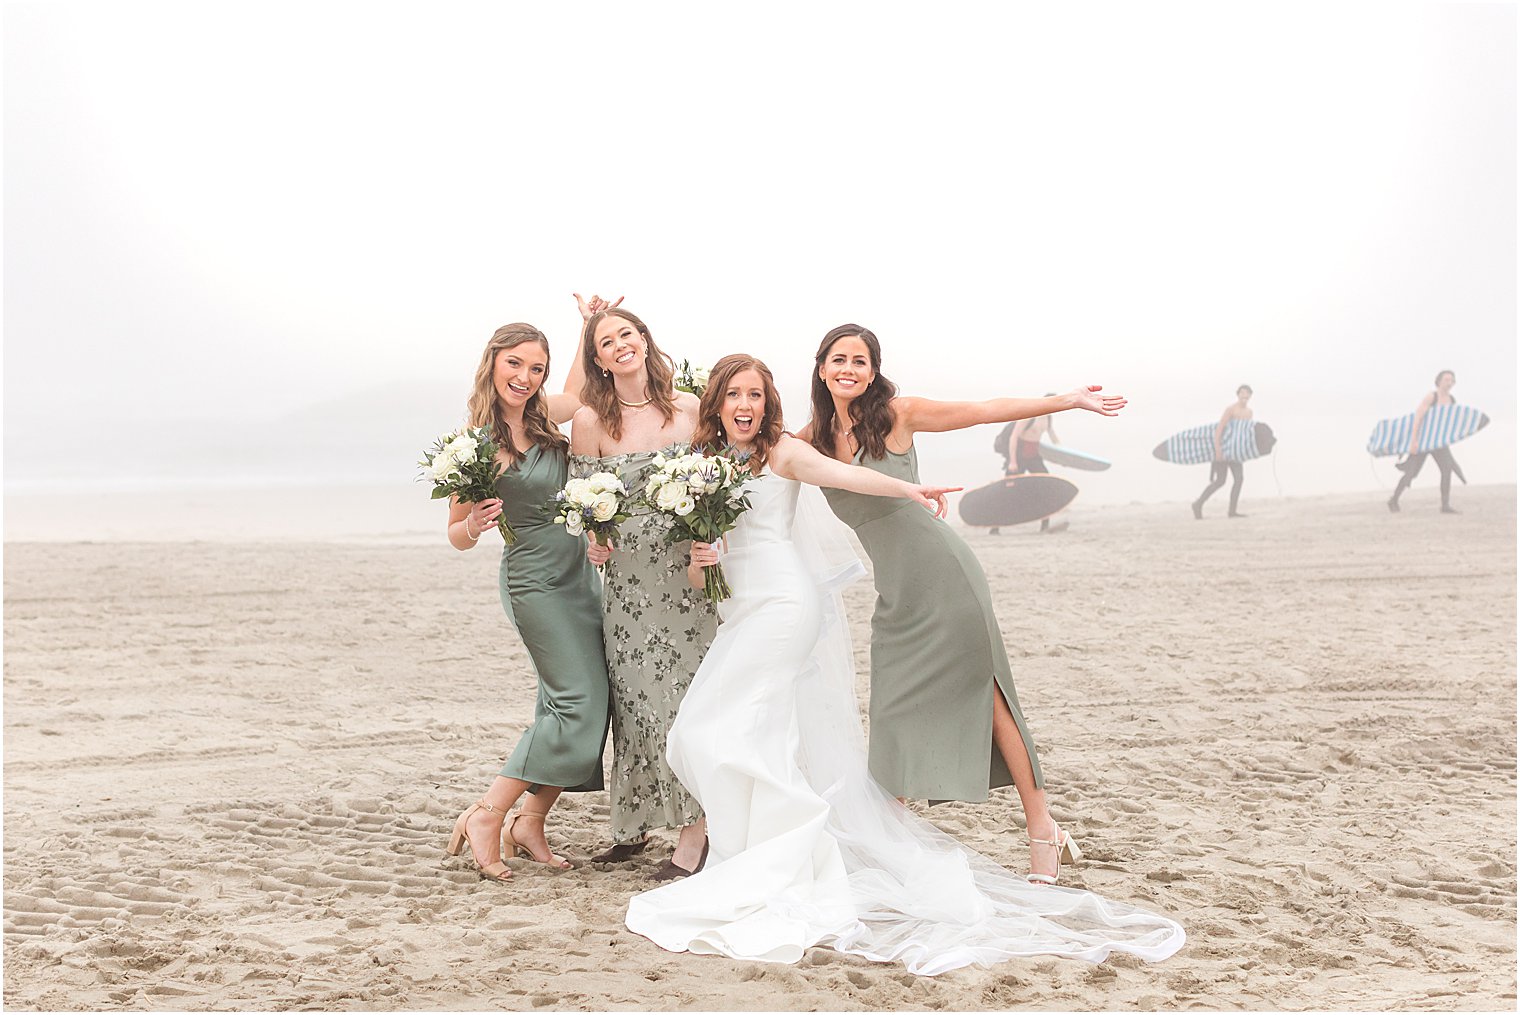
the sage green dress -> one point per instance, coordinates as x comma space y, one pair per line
553, 597
656, 628
935, 649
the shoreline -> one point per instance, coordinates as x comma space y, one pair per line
404, 516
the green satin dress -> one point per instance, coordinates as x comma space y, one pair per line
553, 597
935, 649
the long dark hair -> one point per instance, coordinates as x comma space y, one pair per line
871, 415
597, 390
485, 405
709, 434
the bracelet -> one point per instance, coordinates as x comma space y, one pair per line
473, 537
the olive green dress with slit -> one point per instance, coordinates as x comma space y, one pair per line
935, 649
553, 597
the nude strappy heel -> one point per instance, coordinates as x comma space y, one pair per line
460, 839
508, 842
1066, 852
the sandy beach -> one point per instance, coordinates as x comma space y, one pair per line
230, 770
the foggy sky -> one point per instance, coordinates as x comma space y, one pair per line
229, 218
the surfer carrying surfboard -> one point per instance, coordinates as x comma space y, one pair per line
1023, 439
1220, 468
1411, 465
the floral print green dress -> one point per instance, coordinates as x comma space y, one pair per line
655, 628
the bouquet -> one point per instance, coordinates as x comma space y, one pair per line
704, 496
690, 378
463, 464
594, 504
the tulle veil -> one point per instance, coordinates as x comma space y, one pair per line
921, 897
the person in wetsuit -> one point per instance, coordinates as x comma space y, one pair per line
1019, 444
1415, 460
1219, 469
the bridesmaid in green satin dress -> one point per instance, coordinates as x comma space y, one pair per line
552, 596
945, 719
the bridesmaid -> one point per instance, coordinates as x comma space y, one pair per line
945, 720
550, 593
656, 628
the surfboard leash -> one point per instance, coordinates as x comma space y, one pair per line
1372, 465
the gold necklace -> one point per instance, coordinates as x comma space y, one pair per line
636, 405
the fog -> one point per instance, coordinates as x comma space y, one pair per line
265, 243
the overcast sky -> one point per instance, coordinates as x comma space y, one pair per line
232, 212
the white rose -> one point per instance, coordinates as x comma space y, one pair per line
670, 495
443, 468
578, 491
685, 506
604, 507
573, 523
462, 448
605, 482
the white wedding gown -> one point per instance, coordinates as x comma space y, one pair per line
806, 849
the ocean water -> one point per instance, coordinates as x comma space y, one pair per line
324, 483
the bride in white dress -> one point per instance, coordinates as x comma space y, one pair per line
805, 848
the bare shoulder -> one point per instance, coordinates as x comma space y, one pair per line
785, 453
585, 431
585, 418
687, 402
907, 407
908, 415
789, 445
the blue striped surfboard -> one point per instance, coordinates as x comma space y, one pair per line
1243, 440
1443, 425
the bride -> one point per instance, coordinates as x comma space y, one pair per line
805, 849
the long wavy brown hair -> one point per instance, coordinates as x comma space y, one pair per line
710, 433
485, 404
871, 414
597, 390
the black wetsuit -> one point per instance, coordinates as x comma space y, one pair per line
1218, 473
1412, 465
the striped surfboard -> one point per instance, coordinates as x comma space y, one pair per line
1243, 440
1443, 425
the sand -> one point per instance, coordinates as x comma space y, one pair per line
230, 770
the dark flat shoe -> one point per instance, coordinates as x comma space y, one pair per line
670, 870
622, 851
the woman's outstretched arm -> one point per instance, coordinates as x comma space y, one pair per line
926, 415
796, 459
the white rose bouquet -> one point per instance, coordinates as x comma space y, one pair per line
690, 378
594, 504
704, 497
463, 464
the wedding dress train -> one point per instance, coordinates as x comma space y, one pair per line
806, 849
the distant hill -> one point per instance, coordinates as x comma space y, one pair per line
374, 435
